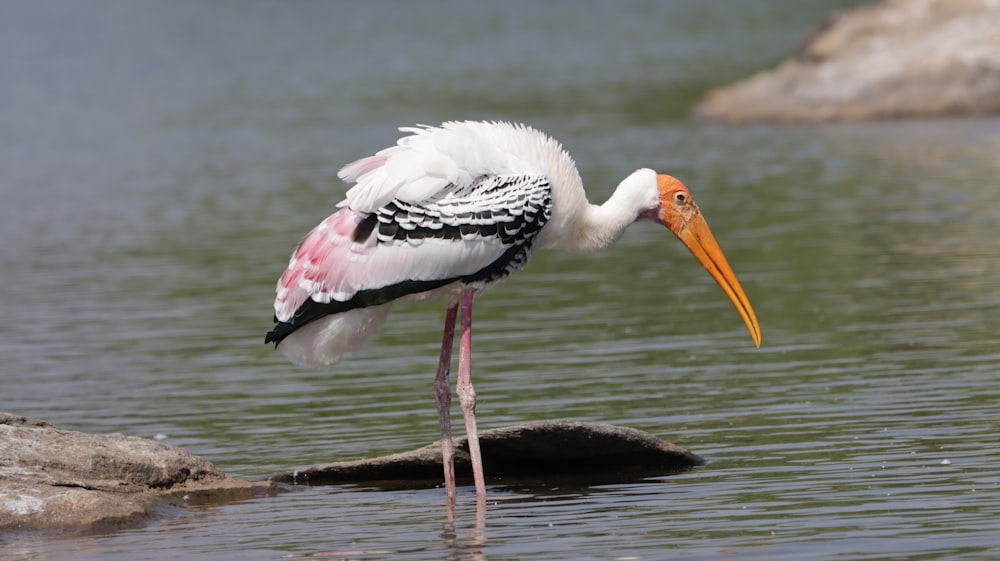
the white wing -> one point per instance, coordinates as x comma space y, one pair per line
473, 233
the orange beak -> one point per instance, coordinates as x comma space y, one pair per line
681, 215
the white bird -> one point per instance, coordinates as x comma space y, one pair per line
445, 213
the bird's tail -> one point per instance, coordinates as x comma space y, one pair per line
324, 341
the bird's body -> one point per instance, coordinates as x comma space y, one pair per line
458, 206
447, 212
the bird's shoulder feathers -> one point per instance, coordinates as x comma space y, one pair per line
430, 160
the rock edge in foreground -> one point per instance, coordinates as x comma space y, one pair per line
52, 478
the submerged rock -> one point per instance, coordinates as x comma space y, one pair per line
892, 59
53, 478
547, 449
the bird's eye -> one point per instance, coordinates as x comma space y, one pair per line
680, 198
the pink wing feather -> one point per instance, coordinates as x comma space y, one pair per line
313, 269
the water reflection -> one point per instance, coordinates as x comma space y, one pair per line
471, 547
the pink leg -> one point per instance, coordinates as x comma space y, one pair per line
467, 394
442, 395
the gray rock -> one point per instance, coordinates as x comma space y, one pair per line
892, 59
545, 449
54, 478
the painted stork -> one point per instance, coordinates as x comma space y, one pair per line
445, 213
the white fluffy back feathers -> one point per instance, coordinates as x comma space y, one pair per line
430, 158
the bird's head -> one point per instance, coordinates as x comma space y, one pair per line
677, 211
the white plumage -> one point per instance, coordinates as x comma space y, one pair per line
431, 158
324, 342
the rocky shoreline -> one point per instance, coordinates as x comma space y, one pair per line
889, 60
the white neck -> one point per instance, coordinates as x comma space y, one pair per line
591, 227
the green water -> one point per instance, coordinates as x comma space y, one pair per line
160, 160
